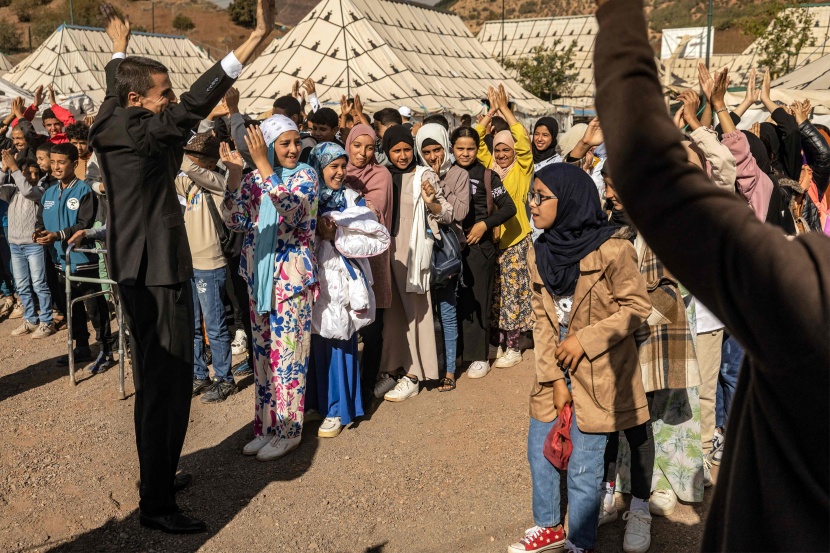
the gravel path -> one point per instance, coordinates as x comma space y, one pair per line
442, 472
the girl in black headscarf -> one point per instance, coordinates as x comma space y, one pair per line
545, 133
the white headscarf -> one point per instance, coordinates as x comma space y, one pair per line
276, 125
439, 134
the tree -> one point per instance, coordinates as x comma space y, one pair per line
243, 13
549, 71
9, 36
781, 34
183, 23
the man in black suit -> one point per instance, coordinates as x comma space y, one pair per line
138, 137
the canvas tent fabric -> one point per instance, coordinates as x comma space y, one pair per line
5, 64
74, 58
9, 92
391, 54
516, 38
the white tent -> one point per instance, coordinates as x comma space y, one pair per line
391, 54
74, 58
9, 92
516, 38
5, 64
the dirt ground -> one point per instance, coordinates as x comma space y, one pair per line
441, 472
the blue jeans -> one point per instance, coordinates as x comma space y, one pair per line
444, 297
732, 355
543, 476
6, 274
208, 287
29, 266
585, 471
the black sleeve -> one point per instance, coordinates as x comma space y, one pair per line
39, 218
817, 152
86, 217
790, 150
505, 208
7, 192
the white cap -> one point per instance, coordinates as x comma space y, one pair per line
405, 112
274, 126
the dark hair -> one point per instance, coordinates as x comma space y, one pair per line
499, 124
77, 131
289, 105
463, 132
348, 118
439, 119
466, 120
45, 147
388, 117
325, 116
66, 149
26, 164
135, 74
48, 114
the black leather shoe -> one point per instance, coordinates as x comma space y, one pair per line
176, 523
82, 354
181, 481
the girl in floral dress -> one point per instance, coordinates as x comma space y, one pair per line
276, 206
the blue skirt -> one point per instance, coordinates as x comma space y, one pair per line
334, 383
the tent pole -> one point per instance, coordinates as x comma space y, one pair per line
502, 32
71, 14
708, 33
346, 53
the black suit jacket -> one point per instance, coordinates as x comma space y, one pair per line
140, 154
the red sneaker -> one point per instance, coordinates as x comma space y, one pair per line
538, 539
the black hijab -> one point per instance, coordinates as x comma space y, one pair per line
759, 152
553, 128
769, 136
393, 136
581, 226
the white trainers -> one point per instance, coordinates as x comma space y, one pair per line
384, 384
637, 532
607, 514
277, 447
253, 447
240, 343
478, 369
707, 473
43, 330
24, 329
17, 311
662, 502
510, 358
330, 428
495, 353
403, 390
537, 540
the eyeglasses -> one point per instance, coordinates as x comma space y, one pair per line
537, 198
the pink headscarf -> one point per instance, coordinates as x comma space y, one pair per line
503, 137
373, 181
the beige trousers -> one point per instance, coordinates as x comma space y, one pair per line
709, 346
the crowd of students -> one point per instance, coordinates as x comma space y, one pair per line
312, 231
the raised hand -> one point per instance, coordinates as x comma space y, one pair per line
427, 192
295, 90
9, 164
89, 120
265, 17
38, 96
230, 158
219, 110
719, 90
344, 106
801, 111
357, 107
679, 122
691, 103
256, 145
52, 99
18, 107
593, 134
232, 100
118, 29
707, 83
309, 87
752, 94
765, 88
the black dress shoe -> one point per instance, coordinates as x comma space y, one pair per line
82, 354
175, 523
181, 481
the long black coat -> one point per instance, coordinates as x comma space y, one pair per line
140, 153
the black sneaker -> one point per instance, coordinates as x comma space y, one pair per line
242, 369
104, 361
219, 391
82, 355
200, 385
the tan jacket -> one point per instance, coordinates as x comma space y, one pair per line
610, 303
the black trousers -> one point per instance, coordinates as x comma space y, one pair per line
96, 308
237, 290
474, 300
160, 319
372, 336
641, 440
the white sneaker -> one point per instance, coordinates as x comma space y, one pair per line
253, 447
637, 532
240, 343
277, 447
478, 369
571, 548
330, 428
707, 473
384, 384
495, 353
23, 329
403, 390
43, 331
537, 540
662, 502
510, 358
607, 514
17, 311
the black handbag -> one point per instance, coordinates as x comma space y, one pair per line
446, 257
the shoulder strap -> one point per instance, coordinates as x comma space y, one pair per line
221, 230
488, 176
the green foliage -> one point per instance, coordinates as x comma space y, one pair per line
781, 34
183, 23
9, 36
5, 4
548, 73
528, 7
243, 13
24, 10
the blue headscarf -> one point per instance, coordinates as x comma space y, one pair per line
267, 229
321, 156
